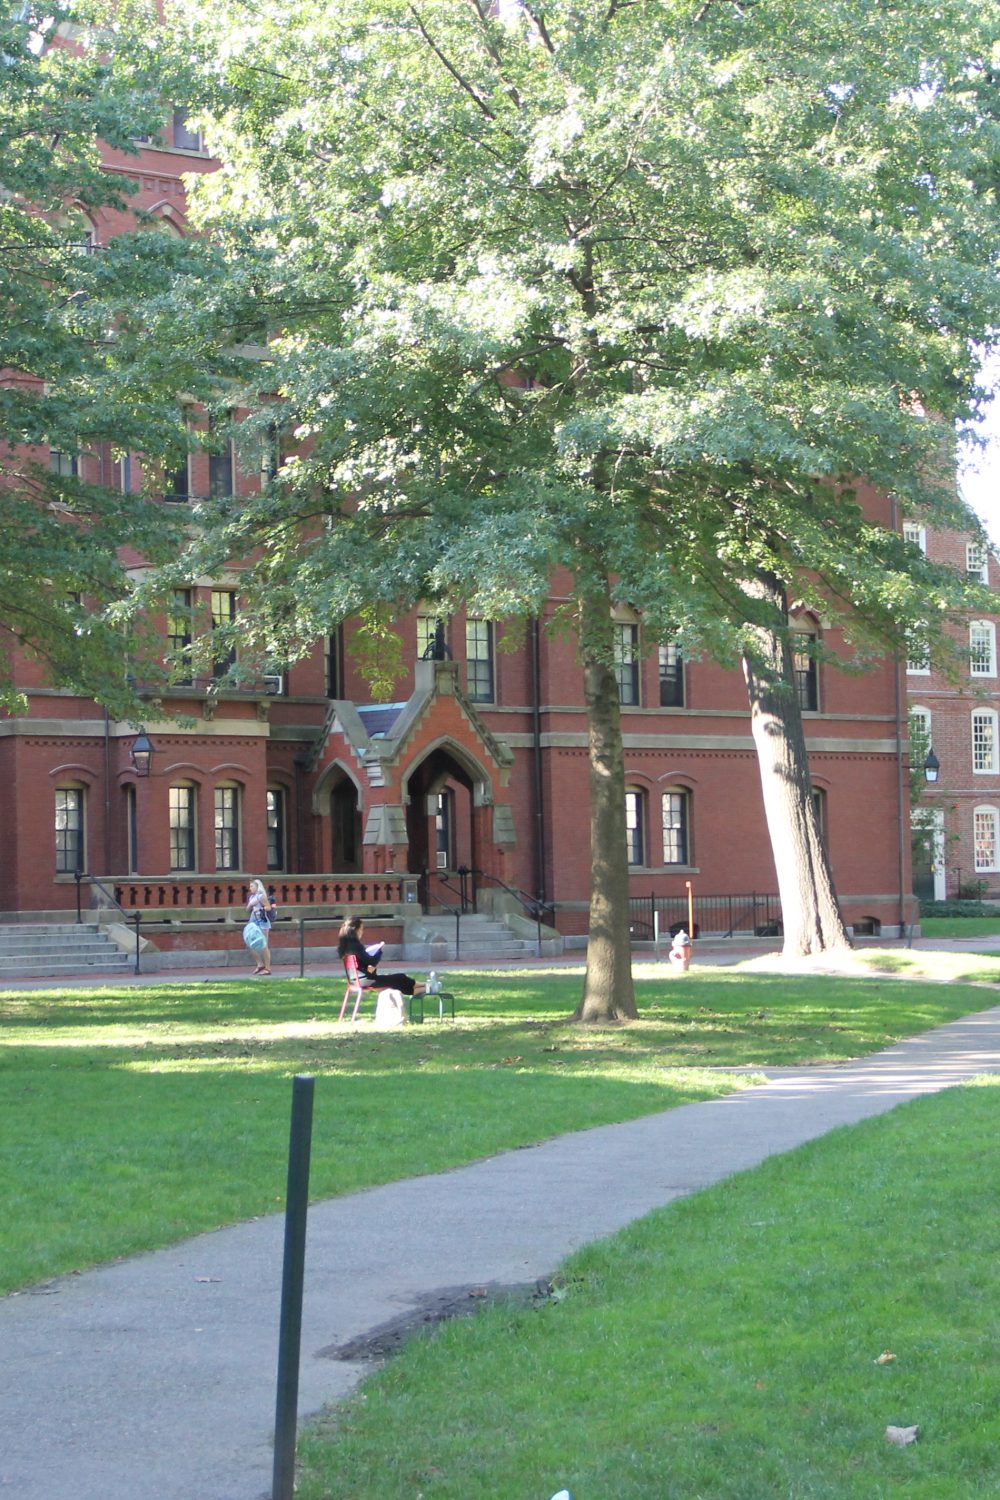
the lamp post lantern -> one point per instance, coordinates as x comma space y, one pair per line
142, 753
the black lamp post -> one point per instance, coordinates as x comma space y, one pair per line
932, 766
142, 753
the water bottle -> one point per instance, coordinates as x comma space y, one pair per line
432, 983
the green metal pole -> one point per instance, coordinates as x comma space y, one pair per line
292, 1283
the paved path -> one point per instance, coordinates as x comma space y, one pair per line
154, 1379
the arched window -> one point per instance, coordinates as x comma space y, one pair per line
277, 822
182, 802
676, 807
984, 831
982, 648
635, 826
69, 830
227, 826
984, 741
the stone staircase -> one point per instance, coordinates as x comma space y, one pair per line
480, 938
49, 949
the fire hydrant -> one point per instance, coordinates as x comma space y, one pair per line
680, 953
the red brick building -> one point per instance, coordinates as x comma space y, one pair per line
480, 765
960, 812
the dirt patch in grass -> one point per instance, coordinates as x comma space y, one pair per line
439, 1306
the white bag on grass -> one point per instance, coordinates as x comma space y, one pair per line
390, 1008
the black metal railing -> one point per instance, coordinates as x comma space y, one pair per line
752, 914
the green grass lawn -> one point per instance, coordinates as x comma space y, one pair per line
961, 927
132, 1117
727, 1347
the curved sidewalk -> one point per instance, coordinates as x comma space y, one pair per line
154, 1379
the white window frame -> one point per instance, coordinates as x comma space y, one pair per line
916, 534
917, 666
984, 738
984, 817
982, 648
977, 563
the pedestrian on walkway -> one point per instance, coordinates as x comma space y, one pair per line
261, 909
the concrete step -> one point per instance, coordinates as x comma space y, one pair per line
52, 949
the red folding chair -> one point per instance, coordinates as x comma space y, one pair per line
354, 985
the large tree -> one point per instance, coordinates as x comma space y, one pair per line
635, 289
97, 344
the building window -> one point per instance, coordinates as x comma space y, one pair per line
333, 665
125, 473
626, 647
182, 827
479, 660
66, 465
220, 468
676, 809
916, 535
177, 488
69, 830
635, 829
984, 740
984, 832
182, 136
918, 656
432, 638
223, 619
806, 669
819, 807
132, 830
982, 648
275, 828
976, 564
671, 677
227, 828
179, 637
920, 741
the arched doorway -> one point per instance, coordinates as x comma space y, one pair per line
337, 798
443, 793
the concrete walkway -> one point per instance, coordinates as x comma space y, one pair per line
154, 1379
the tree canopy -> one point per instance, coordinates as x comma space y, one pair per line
638, 288
97, 345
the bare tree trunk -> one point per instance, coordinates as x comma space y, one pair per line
608, 991
809, 906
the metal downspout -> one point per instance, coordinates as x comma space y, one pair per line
901, 830
536, 724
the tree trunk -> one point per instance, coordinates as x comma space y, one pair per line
608, 992
809, 907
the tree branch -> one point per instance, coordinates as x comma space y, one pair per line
462, 82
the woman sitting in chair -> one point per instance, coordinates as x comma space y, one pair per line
351, 945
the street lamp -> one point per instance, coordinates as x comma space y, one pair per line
931, 767
142, 753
